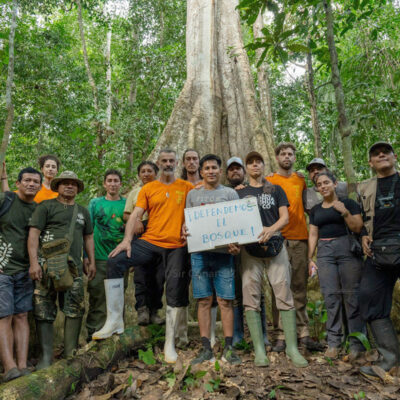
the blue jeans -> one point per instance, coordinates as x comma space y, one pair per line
213, 271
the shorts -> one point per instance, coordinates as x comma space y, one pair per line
16, 293
213, 271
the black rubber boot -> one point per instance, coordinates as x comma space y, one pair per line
45, 334
387, 345
72, 329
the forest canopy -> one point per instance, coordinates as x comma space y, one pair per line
95, 81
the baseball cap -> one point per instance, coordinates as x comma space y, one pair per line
318, 161
379, 144
234, 160
254, 154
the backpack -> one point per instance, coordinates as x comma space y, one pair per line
8, 200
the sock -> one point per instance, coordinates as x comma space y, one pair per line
228, 341
205, 341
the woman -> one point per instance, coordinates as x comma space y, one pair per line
339, 270
49, 165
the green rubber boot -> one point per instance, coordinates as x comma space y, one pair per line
289, 327
45, 333
72, 328
254, 323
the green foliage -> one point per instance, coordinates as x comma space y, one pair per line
191, 379
147, 356
360, 395
361, 337
318, 316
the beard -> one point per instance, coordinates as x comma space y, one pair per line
235, 181
286, 166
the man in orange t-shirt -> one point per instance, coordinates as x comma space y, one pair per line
164, 200
296, 235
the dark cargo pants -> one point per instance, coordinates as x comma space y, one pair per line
339, 273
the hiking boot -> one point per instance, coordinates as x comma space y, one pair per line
155, 318
13, 373
204, 355
230, 356
310, 344
143, 316
280, 346
332, 353
387, 345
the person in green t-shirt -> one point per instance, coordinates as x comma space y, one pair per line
106, 213
16, 288
50, 221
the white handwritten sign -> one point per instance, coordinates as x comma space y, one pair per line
217, 225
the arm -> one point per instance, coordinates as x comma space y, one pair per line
4, 179
312, 244
89, 268
126, 216
354, 222
35, 271
283, 220
125, 245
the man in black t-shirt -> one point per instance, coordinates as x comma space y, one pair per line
380, 199
273, 207
16, 287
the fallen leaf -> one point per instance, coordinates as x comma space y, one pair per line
109, 395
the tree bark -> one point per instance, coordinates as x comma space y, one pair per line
265, 93
344, 125
217, 109
108, 77
59, 380
9, 86
100, 135
313, 106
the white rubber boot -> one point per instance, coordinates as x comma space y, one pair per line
181, 332
171, 321
213, 325
115, 309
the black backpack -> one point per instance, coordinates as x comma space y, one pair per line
8, 199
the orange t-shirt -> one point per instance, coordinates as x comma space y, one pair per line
165, 205
45, 194
293, 186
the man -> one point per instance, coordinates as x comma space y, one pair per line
164, 200
106, 214
311, 196
296, 235
54, 220
235, 174
380, 199
270, 255
213, 270
190, 169
16, 288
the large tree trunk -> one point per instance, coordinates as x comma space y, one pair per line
265, 93
217, 109
59, 380
9, 85
313, 106
108, 77
344, 125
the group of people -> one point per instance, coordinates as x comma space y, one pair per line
47, 243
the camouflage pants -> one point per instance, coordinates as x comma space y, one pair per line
71, 302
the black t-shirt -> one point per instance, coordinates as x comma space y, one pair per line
387, 218
268, 203
329, 221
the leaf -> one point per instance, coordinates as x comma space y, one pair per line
147, 356
217, 366
208, 387
297, 48
362, 338
200, 374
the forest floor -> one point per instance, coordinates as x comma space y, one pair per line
144, 376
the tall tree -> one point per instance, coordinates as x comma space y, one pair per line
9, 85
217, 109
344, 124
